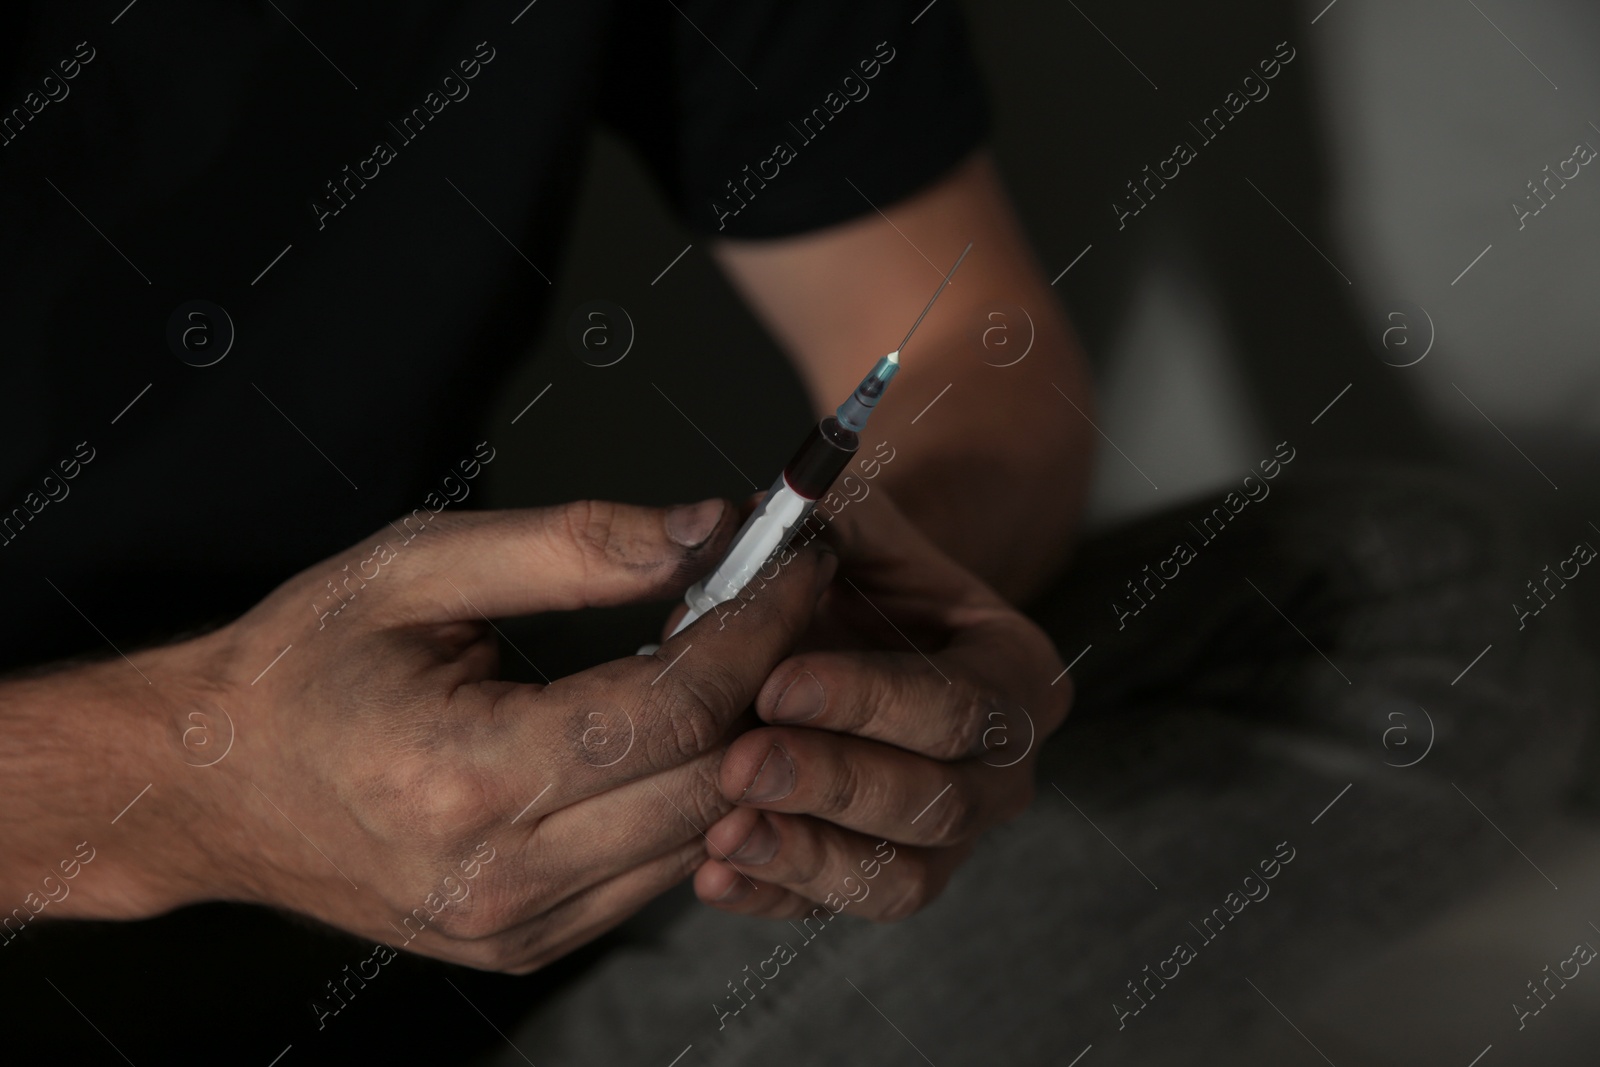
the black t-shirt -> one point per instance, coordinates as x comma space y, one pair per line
351, 213
370, 203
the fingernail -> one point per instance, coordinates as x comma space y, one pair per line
690, 524
801, 701
826, 568
735, 892
774, 781
759, 847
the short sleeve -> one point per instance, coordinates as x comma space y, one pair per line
770, 118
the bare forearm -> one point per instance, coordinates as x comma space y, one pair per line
996, 470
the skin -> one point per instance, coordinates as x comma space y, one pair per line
840, 297
379, 761
380, 754
970, 486
926, 734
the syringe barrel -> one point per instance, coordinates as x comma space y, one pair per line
826, 451
817, 462
766, 531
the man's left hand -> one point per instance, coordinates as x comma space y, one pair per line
907, 727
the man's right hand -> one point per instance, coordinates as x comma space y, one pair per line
379, 773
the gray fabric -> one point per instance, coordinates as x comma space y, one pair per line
1207, 732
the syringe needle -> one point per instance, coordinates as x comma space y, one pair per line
936, 293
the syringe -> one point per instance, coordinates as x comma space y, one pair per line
807, 476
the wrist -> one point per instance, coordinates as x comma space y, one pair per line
100, 818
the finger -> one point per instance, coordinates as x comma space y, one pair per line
671, 706
893, 563
944, 712
637, 820
718, 884
491, 564
798, 862
991, 675
675, 616
680, 610
485, 936
870, 787
738, 846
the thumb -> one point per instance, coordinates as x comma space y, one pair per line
589, 553
888, 556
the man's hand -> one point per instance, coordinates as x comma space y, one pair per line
914, 718
379, 777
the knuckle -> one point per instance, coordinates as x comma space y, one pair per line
533, 901
706, 804
486, 914
451, 804
977, 712
590, 526
432, 798
880, 692
689, 709
715, 687
676, 725
684, 862
804, 854
954, 818
691, 732
845, 788
601, 733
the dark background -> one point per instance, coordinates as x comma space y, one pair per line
1074, 121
